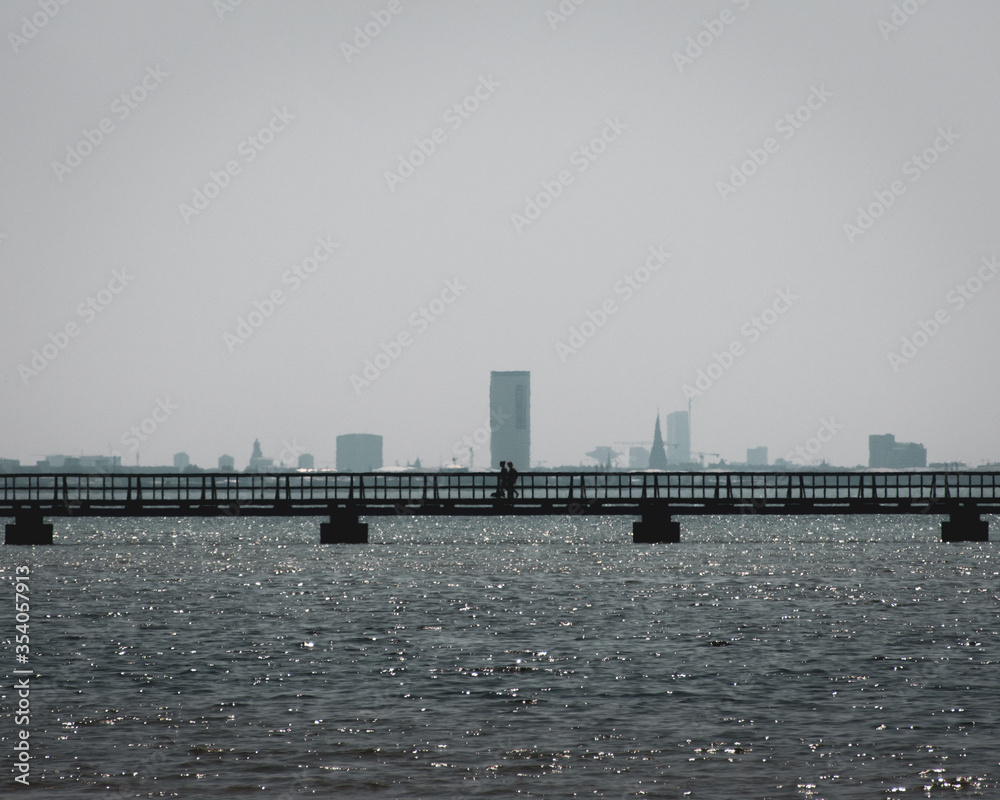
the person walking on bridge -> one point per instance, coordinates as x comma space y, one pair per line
501, 481
511, 480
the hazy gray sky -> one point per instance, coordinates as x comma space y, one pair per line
213, 215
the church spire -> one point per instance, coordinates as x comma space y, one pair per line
658, 454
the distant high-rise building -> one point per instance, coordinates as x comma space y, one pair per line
884, 452
657, 455
910, 454
227, 463
510, 419
638, 458
880, 450
359, 452
306, 461
181, 461
678, 438
757, 456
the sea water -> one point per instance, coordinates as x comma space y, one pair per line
762, 657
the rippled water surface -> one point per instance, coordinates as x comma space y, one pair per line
760, 658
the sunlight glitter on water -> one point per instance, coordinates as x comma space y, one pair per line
758, 658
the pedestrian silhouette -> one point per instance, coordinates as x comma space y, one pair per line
511, 480
501, 481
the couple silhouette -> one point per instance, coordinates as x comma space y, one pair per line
506, 481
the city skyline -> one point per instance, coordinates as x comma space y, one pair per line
292, 455
318, 266
242, 220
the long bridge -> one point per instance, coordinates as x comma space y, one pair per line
656, 498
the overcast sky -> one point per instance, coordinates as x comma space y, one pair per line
215, 217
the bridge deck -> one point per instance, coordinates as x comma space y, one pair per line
599, 493
655, 496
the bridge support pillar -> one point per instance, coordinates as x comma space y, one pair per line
29, 527
965, 526
343, 528
655, 528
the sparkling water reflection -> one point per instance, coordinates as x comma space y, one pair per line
762, 657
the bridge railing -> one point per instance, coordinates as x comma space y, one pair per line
419, 488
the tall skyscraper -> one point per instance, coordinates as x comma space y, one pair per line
678, 438
510, 419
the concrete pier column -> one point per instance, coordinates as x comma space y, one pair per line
28, 527
656, 527
344, 527
965, 526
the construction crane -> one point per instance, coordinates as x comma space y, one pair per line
701, 456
